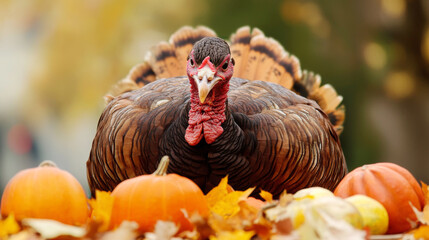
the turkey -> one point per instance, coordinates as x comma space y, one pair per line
243, 109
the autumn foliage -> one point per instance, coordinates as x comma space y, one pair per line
147, 207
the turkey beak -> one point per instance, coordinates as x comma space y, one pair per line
203, 89
205, 82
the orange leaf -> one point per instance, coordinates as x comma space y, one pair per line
422, 232
268, 197
102, 208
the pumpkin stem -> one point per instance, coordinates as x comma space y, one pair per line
47, 163
162, 166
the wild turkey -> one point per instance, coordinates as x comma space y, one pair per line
250, 127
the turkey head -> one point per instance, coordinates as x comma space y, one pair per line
209, 69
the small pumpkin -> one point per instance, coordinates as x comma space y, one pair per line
148, 198
390, 184
45, 192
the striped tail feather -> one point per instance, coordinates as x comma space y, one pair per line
259, 57
309, 86
166, 59
263, 58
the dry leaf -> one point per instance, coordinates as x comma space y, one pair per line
268, 197
223, 202
51, 229
228, 205
218, 192
325, 218
422, 232
8, 226
126, 231
27, 234
102, 208
237, 235
163, 230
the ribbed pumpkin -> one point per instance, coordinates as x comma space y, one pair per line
148, 198
45, 192
391, 185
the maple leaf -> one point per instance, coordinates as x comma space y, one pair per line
223, 202
268, 197
102, 208
238, 235
8, 226
218, 192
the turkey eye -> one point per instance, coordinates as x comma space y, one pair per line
225, 65
191, 62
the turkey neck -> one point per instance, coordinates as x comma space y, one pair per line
205, 119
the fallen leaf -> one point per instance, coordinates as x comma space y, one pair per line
268, 197
284, 226
237, 235
224, 202
126, 231
202, 226
51, 229
218, 192
163, 230
27, 234
228, 205
102, 208
422, 232
8, 226
325, 218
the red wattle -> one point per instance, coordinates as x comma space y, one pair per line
205, 119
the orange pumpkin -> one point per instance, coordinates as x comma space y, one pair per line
148, 198
391, 185
45, 192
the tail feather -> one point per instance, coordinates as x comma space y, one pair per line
326, 96
263, 58
257, 57
183, 40
162, 61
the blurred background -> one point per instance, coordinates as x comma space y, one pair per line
58, 59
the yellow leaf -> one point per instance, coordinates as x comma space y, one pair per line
218, 192
422, 232
102, 208
223, 201
268, 197
8, 226
237, 235
228, 205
